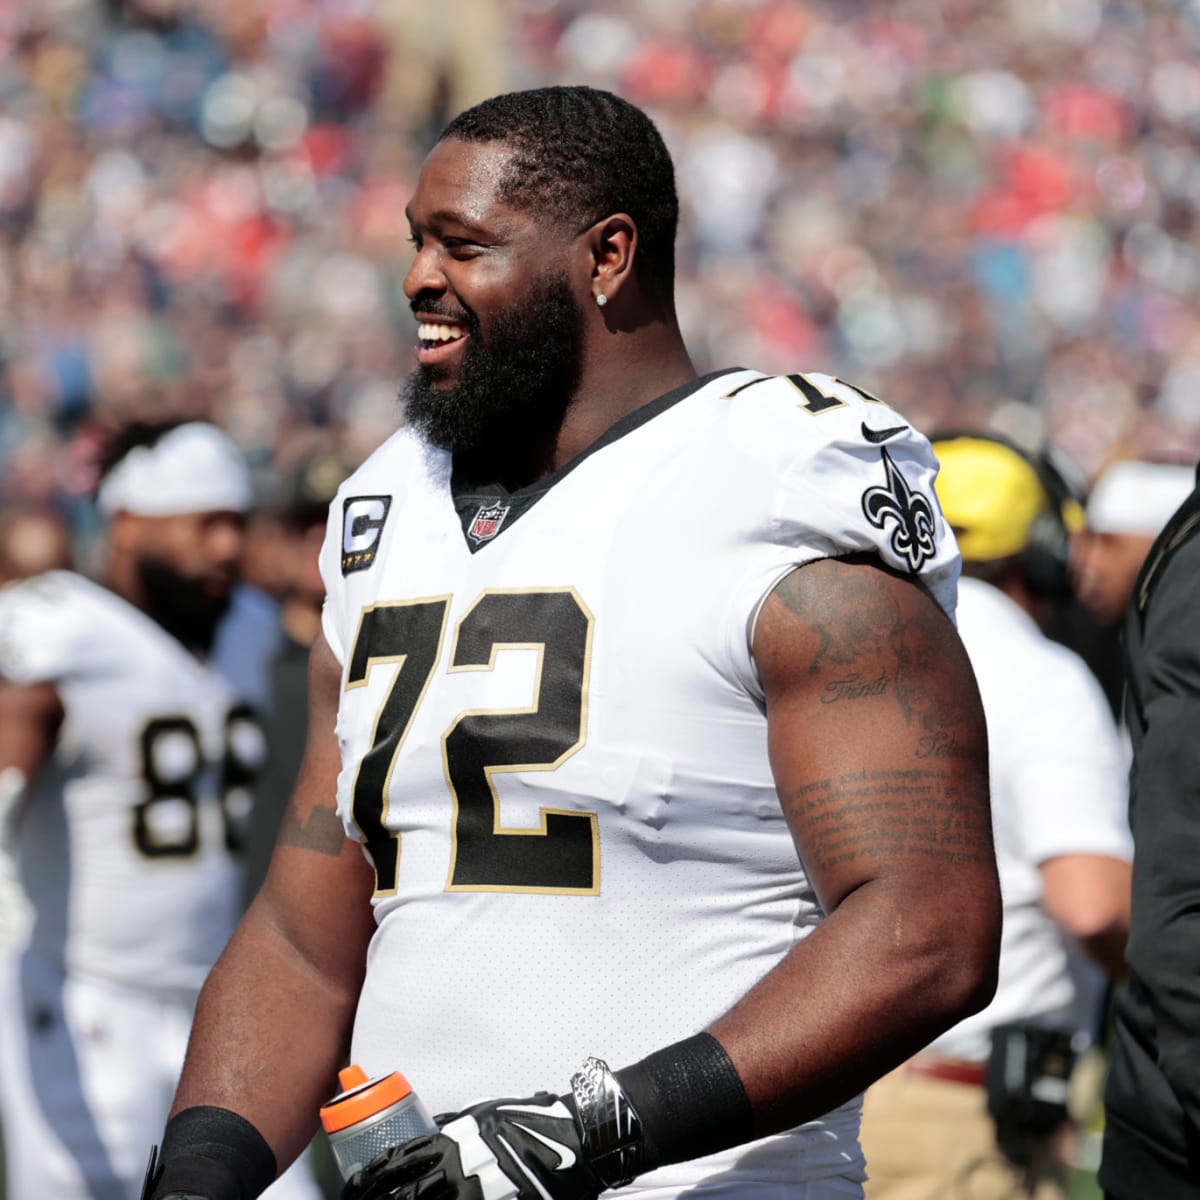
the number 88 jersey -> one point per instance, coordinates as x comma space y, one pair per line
128, 842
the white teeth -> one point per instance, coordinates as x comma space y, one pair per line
429, 332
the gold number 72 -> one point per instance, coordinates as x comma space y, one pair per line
560, 855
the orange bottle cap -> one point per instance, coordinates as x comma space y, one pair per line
352, 1077
361, 1097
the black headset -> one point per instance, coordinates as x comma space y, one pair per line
1046, 556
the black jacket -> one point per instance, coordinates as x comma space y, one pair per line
1152, 1121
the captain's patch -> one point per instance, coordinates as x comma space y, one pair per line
363, 519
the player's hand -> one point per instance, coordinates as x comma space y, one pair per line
502, 1150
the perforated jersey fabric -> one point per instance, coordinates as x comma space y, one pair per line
553, 737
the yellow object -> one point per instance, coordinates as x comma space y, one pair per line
990, 495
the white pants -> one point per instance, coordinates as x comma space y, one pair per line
87, 1074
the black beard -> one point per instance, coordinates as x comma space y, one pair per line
501, 418
180, 606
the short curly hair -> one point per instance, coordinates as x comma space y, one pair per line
581, 153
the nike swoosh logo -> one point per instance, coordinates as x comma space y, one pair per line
881, 435
566, 1156
534, 1181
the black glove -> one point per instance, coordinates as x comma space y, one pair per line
501, 1150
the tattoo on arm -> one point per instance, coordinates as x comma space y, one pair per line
854, 620
853, 686
321, 830
867, 647
870, 814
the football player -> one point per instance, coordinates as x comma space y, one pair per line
128, 761
932, 1127
639, 728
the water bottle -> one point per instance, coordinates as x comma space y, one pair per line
369, 1116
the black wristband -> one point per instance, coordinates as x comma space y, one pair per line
690, 1100
214, 1153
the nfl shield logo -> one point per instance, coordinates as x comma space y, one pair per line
487, 521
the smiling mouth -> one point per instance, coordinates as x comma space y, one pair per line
433, 334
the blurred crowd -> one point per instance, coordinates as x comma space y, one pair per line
983, 210
986, 212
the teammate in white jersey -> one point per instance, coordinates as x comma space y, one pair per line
640, 692
1063, 848
128, 760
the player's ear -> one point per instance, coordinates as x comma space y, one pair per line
612, 243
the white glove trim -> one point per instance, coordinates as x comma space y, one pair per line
477, 1159
537, 1187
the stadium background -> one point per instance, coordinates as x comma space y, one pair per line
983, 210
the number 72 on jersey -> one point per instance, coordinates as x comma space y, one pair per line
562, 855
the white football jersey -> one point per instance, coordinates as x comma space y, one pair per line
126, 844
553, 733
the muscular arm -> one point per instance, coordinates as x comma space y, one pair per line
878, 747
273, 1022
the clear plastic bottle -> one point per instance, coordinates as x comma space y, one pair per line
369, 1116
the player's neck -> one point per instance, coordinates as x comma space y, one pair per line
622, 378
621, 374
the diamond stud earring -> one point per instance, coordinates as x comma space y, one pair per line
601, 299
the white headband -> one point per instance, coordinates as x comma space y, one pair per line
1138, 497
193, 468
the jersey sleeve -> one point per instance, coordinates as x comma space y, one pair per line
848, 475
355, 539
852, 496
43, 630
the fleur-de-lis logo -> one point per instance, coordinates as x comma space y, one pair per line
912, 539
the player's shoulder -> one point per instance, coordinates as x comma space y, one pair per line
50, 624
54, 596
397, 463
1004, 640
836, 470
399, 470
816, 433
1000, 635
801, 413
399, 475
1067, 674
